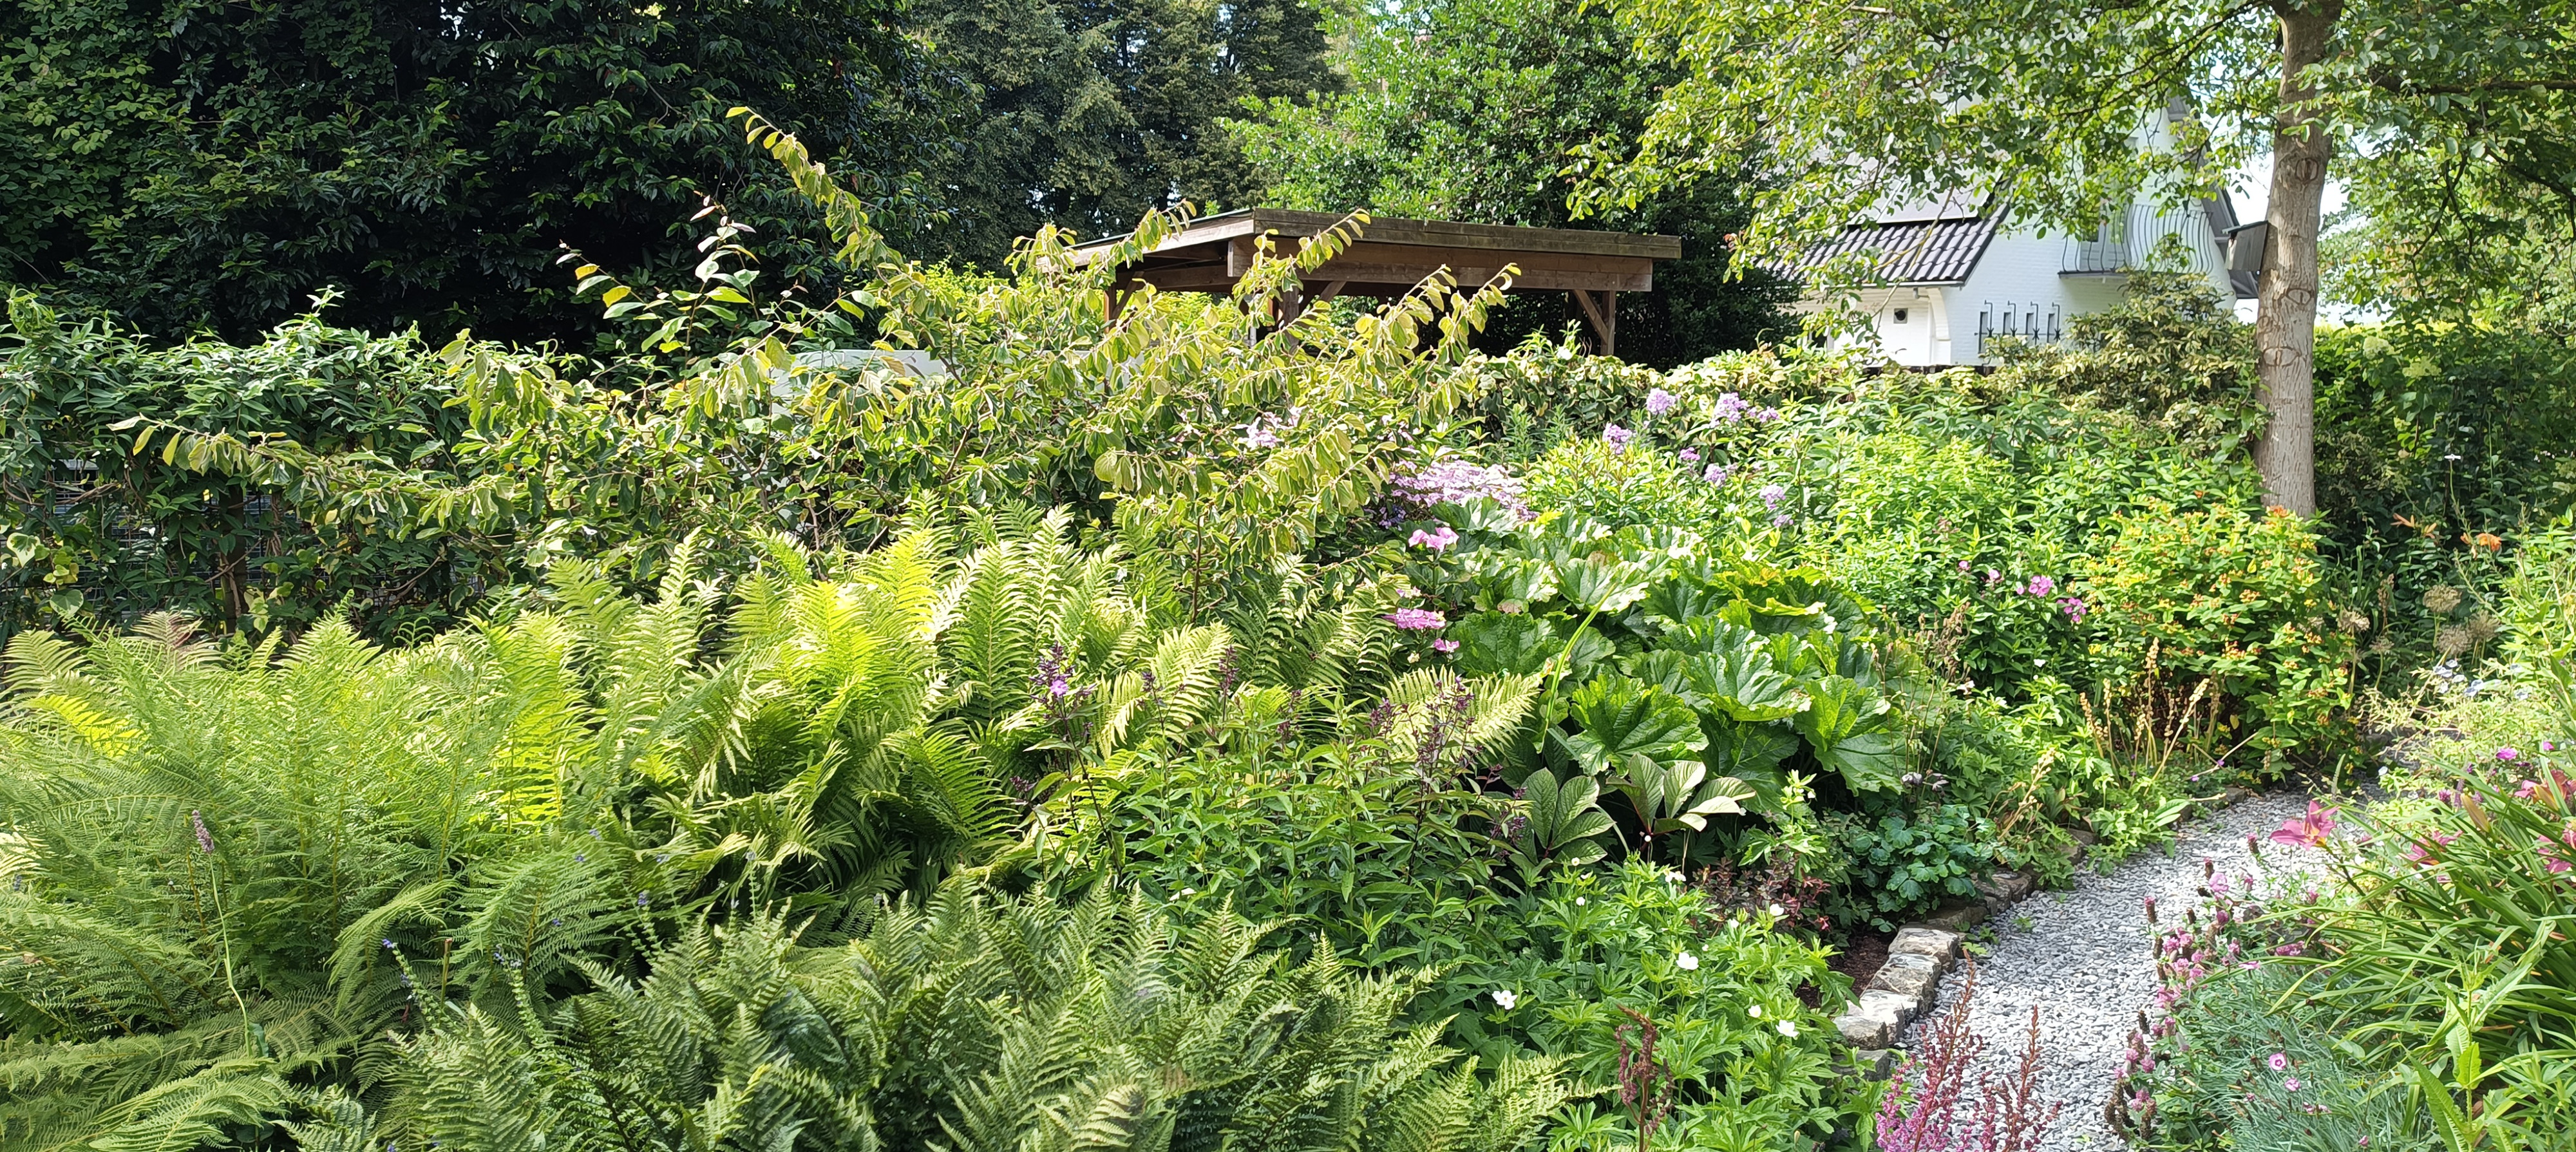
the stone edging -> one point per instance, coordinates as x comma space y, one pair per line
1909, 983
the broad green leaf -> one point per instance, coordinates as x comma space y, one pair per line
1494, 644
1601, 583
1621, 718
1845, 724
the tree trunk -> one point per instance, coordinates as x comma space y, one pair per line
2285, 324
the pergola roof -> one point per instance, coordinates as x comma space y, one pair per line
1391, 256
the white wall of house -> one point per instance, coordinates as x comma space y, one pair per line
2023, 286
2029, 284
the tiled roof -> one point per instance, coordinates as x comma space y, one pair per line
1916, 251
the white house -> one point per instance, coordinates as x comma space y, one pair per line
1955, 275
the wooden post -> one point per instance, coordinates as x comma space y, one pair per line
1604, 315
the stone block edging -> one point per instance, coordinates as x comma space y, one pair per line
1908, 984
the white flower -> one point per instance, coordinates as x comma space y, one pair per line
1754, 1011
1580, 901
1687, 962
1777, 910
1505, 1000
1189, 891
2042, 662
1789, 1029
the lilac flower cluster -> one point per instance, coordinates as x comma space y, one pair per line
1659, 402
1616, 437
1452, 482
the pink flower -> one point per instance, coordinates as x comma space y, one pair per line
2074, 607
1417, 619
2507, 754
2310, 830
1659, 402
1690, 455
1616, 436
2278, 1061
2042, 585
1436, 541
1444, 645
1771, 494
1731, 407
1717, 473
2291, 1083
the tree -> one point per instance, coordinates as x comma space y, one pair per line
193, 165
1467, 109
1088, 115
2039, 103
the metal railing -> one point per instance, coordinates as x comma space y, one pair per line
2028, 323
2127, 241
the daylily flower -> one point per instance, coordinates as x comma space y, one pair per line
2310, 830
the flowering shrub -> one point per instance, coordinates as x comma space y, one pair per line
2184, 596
1930, 1108
1749, 1063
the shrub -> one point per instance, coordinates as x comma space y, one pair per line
2212, 608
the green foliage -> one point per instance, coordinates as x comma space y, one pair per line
1088, 116
1901, 862
2171, 353
570, 786
1466, 109
2427, 438
974, 1022
107, 523
215, 165
1749, 1063
2215, 595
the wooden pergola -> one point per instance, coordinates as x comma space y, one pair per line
1391, 256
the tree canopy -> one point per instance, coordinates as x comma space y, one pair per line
1470, 110
2039, 104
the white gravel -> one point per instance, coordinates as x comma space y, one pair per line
2085, 961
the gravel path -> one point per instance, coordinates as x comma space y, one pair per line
2082, 957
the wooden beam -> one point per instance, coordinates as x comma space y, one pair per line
1604, 315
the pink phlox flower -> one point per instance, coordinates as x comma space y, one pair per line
1690, 455
1731, 407
1417, 619
1616, 436
1659, 402
1993, 577
1963, 565
2042, 585
1439, 541
2074, 607
1444, 645
2311, 830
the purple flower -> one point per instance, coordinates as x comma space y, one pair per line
1417, 619
205, 840
1444, 645
1767, 415
2042, 586
1436, 541
1616, 436
1731, 407
1771, 494
1717, 473
1456, 483
1058, 688
1963, 565
1780, 521
1659, 402
1690, 455
2507, 754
